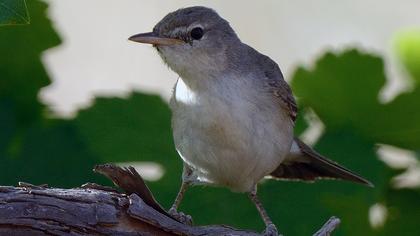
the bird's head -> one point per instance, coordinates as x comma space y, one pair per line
191, 40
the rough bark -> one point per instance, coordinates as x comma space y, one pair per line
98, 210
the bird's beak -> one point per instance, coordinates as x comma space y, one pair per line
153, 38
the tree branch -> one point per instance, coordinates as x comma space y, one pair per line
328, 227
99, 210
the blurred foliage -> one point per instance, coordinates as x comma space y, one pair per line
341, 88
404, 212
39, 149
13, 12
33, 147
407, 43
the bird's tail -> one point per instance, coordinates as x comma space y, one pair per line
304, 163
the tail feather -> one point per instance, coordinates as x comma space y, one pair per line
306, 164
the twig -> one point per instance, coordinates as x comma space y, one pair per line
100, 210
328, 227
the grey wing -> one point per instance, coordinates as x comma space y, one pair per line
278, 86
304, 163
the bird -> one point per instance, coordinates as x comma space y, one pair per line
233, 114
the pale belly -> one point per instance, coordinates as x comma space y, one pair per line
230, 143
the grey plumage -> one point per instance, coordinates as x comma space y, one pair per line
308, 165
225, 35
185, 17
233, 113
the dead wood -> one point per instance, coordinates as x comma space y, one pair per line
99, 210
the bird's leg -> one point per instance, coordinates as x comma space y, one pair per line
270, 228
180, 195
186, 219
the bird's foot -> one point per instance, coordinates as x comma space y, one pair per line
180, 216
271, 230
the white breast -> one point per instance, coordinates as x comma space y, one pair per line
229, 132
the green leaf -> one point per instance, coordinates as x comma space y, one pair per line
398, 123
403, 212
33, 147
52, 153
134, 129
407, 45
137, 128
342, 89
13, 12
21, 69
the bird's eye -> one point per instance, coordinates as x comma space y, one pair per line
197, 33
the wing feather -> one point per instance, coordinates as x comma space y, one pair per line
278, 86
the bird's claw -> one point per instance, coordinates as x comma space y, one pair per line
180, 216
271, 230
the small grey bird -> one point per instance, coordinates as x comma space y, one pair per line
232, 112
